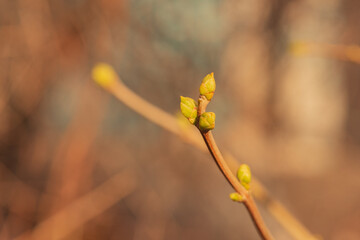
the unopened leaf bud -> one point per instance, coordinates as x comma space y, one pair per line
208, 85
188, 108
207, 121
236, 197
244, 175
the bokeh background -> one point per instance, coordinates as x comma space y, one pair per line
287, 103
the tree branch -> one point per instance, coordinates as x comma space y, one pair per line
230, 177
169, 122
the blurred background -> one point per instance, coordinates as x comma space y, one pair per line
75, 163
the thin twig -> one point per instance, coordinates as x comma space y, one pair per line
230, 177
156, 115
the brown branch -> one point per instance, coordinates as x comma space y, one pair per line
155, 114
230, 177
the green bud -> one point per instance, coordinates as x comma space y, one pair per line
244, 175
188, 108
236, 197
207, 121
207, 87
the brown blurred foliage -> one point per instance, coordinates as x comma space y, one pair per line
77, 164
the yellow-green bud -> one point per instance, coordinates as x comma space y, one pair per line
236, 197
244, 175
188, 108
207, 121
207, 87
104, 75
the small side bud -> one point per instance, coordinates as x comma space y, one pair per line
188, 108
207, 87
236, 197
207, 121
104, 75
244, 175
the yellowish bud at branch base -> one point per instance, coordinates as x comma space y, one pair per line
188, 108
244, 175
236, 197
207, 121
208, 86
104, 74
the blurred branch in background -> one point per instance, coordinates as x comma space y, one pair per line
110, 80
81, 210
70, 170
337, 51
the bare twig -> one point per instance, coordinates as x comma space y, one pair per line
189, 135
230, 177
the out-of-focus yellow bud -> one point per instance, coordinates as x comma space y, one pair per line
104, 75
299, 48
236, 197
207, 87
207, 121
188, 108
244, 175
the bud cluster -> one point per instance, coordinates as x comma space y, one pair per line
189, 106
